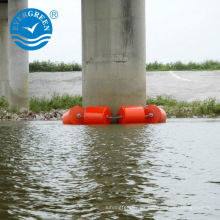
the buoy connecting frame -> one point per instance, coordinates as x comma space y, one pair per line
150, 114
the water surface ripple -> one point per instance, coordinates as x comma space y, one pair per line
166, 171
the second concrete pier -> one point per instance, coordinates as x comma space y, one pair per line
114, 53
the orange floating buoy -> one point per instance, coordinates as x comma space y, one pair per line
131, 114
74, 116
155, 114
97, 115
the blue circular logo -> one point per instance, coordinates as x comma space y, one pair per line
31, 29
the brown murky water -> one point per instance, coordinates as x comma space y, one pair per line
166, 171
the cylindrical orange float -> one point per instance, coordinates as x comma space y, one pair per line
97, 115
74, 116
154, 114
131, 114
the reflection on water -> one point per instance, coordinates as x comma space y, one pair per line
51, 171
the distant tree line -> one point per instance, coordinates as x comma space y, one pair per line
48, 66
179, 66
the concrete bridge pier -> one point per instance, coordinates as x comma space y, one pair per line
114, 53
4, 76
18, 64
14, 64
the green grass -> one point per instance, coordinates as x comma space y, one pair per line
174, 108
3, 103
56, 102
179, 66
48, 66
4, 106
182, 109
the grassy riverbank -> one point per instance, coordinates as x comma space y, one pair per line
174, 108
57, 102
183, 109
49, 66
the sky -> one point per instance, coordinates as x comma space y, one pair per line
176, 30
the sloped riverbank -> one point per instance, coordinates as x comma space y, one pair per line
53, 109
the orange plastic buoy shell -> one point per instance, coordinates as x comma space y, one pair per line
158, 114
72, 117
131, 114
97, 115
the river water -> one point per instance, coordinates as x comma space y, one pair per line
165, 171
